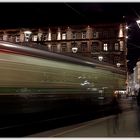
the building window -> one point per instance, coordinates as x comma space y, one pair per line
53, 36
34, 38
59, 36
63, 36
84, 46
54, 47
74, 35
105, 47
74, 44
63, 47
5, 37
17, 38
116, 46
95, 34
49, 36
121, 31
83, 35
39, 36
105, 34
121, 45
95, 46
45, 36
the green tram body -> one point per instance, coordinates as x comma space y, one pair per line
42, 86
20, 74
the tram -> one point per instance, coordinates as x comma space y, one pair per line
33, 80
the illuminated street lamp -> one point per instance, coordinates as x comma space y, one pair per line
118, 65
27, 35
138, 23
74, 49
100, 58
27, 32
127, 27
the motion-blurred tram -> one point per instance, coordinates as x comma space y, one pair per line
33, 81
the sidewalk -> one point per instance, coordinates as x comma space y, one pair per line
126, 124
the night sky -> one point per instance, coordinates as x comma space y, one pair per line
43, 14
24, 15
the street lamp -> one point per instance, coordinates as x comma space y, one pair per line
27, 32
138, 23
27, 35
118, 65
74, 48
126, 27
100, 58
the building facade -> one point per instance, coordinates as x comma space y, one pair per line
134, 79
105, 41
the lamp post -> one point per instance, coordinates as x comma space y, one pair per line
100, 58
138, 23
27, 35
74, 48
118, 65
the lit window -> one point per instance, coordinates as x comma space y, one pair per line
5, 37
63, 36
121, 45
116, 46
83, 35
49, 36
34, 38
121, 31
39, 36
105, 47
59, 35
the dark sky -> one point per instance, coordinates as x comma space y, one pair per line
20, 15
42, 14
